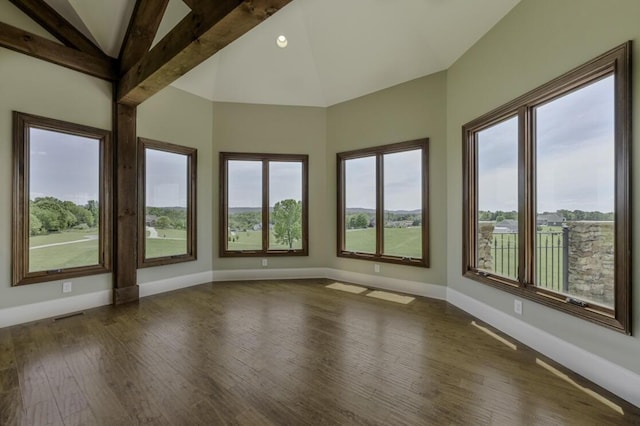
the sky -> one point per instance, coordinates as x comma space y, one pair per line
574, 155
166, 179
245, 182
402, 177
63, 166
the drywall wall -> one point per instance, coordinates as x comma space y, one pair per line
181, 118
537, 41
411, 110
276, 130
33, 86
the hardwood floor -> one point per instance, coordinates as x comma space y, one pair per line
284, 353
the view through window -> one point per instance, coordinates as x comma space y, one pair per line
168, 199
382, 198
60, 216
264, 204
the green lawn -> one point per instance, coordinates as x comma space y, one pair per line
60, 256
252, 240
170, 242
404, 242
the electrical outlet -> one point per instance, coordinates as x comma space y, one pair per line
376, 268
517, 306
67, 287
265, 262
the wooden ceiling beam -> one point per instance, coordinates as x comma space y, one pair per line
196, 38
143, 27
57, 26
39, 47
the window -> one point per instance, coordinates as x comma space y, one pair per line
167, 227
382, 203
263, 204
546, 193
61, 207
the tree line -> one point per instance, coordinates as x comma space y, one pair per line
569, 215
169, 217
49, 214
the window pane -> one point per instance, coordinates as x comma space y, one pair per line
285, 205
166, 197
575, 193
63, 200
360, 205
403, 204
244, 205
497, 244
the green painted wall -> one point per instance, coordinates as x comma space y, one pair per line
412, 110
278, 130
537, 41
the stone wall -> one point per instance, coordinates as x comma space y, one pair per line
591, 261
485, 242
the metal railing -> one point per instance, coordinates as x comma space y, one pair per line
552, 254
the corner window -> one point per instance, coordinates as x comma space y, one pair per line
167, 228
546, 191
61, 208
382, 203
263, 204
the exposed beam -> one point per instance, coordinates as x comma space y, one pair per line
196, 38
39, 47
141, 32
57, 26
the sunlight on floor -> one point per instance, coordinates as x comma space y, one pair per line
495, 336
588, 391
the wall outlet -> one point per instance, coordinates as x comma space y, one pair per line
265, 262
67, 287
376, 268
517, 306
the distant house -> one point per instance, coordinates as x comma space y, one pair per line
550, 219
506, 226
150, 220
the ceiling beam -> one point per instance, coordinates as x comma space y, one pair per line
143, 26
57, 26
39, 47
196, 38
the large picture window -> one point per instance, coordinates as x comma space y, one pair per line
167, 195
263, 204
382, 203
61, 209
546, 193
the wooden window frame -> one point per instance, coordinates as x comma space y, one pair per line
192, 223
616, 62
378, 152
303, 159
22, 122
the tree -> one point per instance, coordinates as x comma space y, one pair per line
34, 225
287, 219
163, 222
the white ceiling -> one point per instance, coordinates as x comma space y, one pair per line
338, 49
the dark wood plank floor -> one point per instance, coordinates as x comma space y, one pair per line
283, 353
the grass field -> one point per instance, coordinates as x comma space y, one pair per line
170, 242
43, 256
252, 240
404, 242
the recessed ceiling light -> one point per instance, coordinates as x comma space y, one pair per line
281, 41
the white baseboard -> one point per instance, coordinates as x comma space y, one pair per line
175, 283
268, 274
617, 379
53, 308
392, 284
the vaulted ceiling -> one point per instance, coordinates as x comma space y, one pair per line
337, 49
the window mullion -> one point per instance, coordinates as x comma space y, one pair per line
265, 205
526, 197
379, 205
